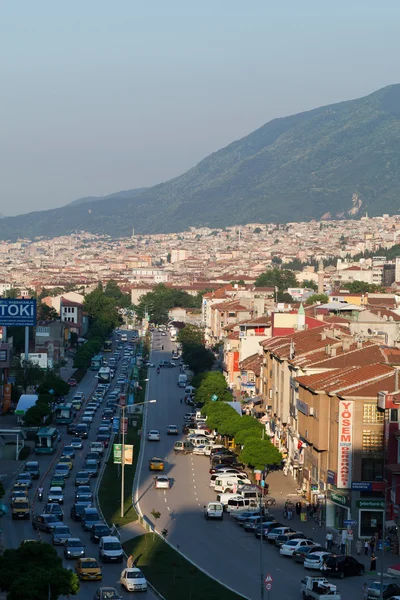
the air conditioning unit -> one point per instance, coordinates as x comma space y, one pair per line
311, 411
270, 393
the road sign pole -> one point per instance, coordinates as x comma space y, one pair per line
261, 549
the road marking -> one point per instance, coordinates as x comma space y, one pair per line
169, 510
165, 499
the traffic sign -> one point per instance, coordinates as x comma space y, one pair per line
268, 586
268, 578
349, 522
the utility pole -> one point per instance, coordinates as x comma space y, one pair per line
123, 461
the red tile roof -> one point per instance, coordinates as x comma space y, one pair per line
252, 363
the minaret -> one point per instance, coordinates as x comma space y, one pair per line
301, 318
321, 277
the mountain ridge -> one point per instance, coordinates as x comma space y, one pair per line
335, 161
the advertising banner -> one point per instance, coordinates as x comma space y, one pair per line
6, 397
128, 454
345, 444
17, 313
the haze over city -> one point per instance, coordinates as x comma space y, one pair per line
98, 98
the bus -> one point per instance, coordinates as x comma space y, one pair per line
97, 362
46, 440
107, 347
65, 413
104, 375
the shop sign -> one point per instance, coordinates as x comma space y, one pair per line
331, 477
371, 504
302, 407
314, 487
321, 485
338, 498
362, 486
345, 444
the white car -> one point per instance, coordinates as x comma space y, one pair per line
199, 450
133, 580
293, 545
315, 560
161, 482
153, 435
172, 430
56, 495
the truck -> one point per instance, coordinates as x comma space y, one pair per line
318, 588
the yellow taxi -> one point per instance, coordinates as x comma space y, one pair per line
88, 569
66, 460
20, 486
156, 464
20, 508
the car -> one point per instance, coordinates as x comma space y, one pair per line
23, 494
74, 548
57, 480
68, 451
82, 478
301, 554
315, 560
82, 430
99, 530
55, 494
162, 483
153, 435
156, 464
253, 522
107, 593
77, 510
32, 467
107, 415
200, 450
88, 569
72, 382
93, 455
62, 469
290, 546
110, 549
71, 428
265, 529
389, 589
61, 533
90, 517
20, 486
277, 531
96, 447
25, 478
172, 430
54, 509
133, 580
91, 467
76, 443
45, 523
343, 566
149, 365
66, 460
104, 439
241, 517
83, 493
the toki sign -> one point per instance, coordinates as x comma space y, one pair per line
345, 444
17, 313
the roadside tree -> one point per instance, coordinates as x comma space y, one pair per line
258, 453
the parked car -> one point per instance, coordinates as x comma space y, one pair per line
300, 554
292, 545
343, 566
315, 560
389, 590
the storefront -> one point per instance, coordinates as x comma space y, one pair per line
370, 516
337, 509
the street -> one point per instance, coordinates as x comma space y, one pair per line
223, 549
15, 532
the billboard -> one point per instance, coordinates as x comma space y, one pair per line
345, 445
17, 313
38, 359
128, 454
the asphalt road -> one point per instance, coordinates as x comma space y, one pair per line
222, 549
14, 532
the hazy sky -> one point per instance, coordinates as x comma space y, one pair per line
99, 96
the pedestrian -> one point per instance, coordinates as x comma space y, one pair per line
372, 566
129, 562
343, 541
358, 547
372, 545
364, 592
298, 508
366, 547
329, 541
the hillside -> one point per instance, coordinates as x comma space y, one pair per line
336, 161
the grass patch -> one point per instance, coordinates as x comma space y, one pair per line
171, 574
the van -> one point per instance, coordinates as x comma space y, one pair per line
198, 440
183, 447
32, 467
110, 549
229, 484
234, 502
20, 508
90, 517
242, 477
182, 380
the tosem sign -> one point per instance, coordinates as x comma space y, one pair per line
345, 444
17, 313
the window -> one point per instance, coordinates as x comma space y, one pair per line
394, 415
371, 414
371, 469
372, 441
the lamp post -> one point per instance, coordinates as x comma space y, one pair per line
392, 487
123, 407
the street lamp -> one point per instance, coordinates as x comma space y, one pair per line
123, 407
392, 487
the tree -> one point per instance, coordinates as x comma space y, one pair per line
320, 298
198, 357
46, 313
12, 293
169, 257
53, 382
310, 284
27, 374
34, 571
212, 383
276, 260
102, 308
112, 290
37, 414
190, 334
362, 287
258, 453
282, 279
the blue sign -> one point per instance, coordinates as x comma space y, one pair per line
17, 313
349, 522
362, 486
214, 398
130, 399
116, 424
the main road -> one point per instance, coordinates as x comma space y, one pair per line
222, 549
15, 532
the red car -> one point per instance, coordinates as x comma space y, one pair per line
72, 382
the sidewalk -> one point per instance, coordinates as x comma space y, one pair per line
283, 488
